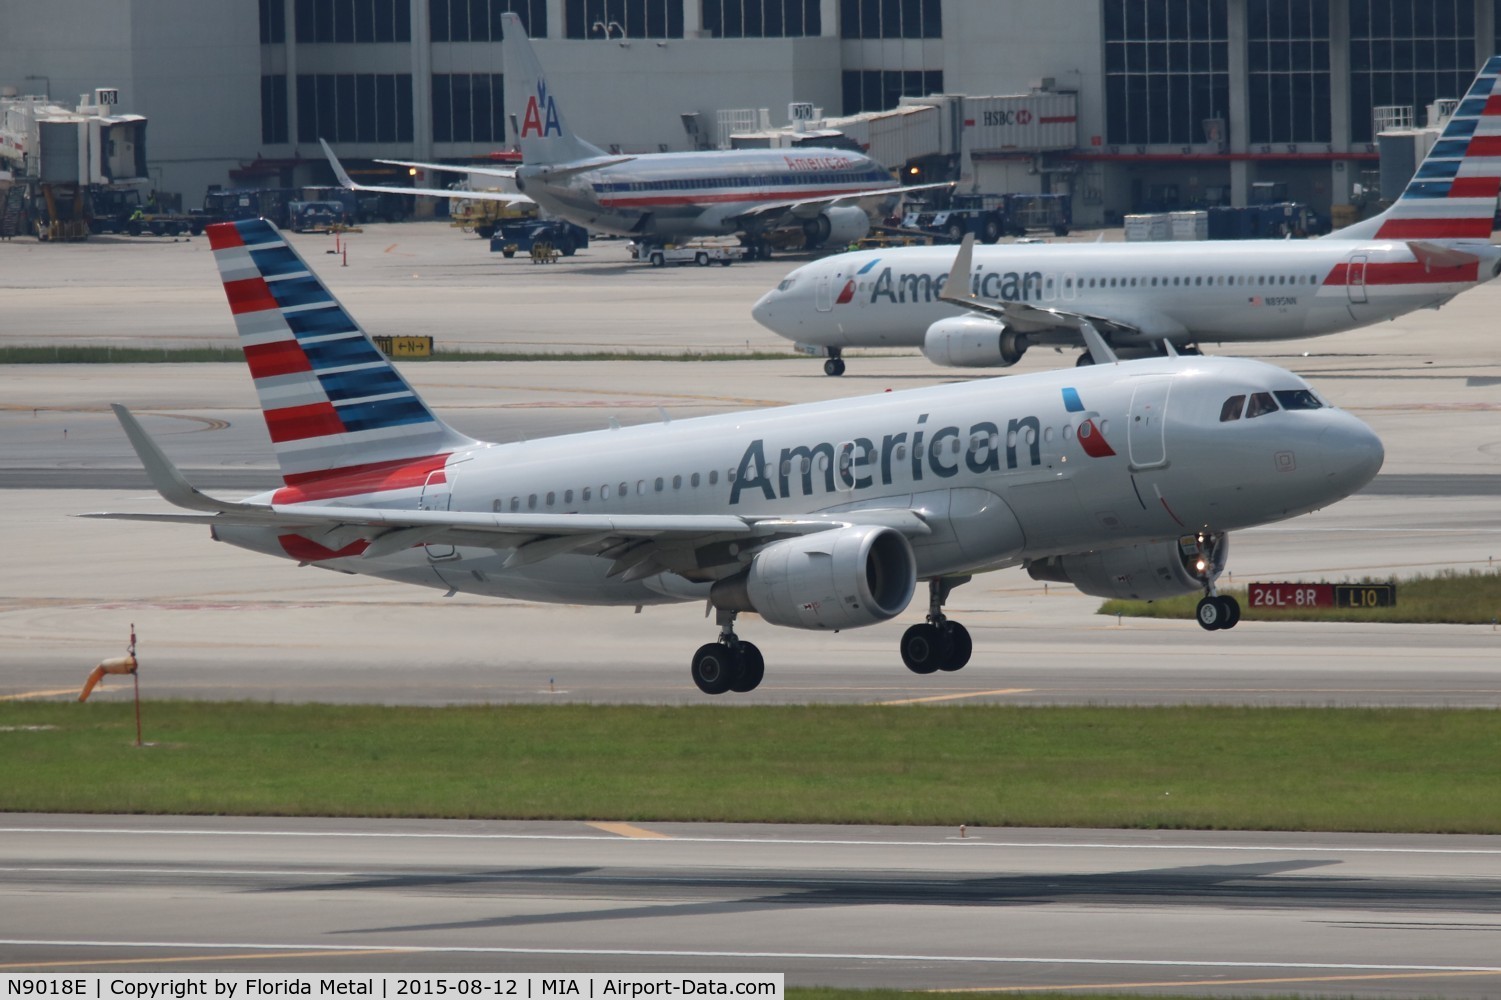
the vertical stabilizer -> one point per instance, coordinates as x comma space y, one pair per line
541, 131
334, 406
1453, 194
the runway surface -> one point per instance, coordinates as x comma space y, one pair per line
914, 908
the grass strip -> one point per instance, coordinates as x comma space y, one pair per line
1388, 770
1449, 597
66, 354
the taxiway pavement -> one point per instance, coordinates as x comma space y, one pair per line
1210, 914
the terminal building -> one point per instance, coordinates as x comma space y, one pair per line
1127, 105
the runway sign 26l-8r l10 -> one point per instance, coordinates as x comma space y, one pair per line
1284, 596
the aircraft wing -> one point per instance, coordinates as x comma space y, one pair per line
556, 172
642, 544
349, 184
1048, 322
807, 208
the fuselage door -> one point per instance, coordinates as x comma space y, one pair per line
1146, 439
823, 298
1355, 284
436, 495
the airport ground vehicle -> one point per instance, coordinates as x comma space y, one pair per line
518, 237
992, 216
122, 210
697, 252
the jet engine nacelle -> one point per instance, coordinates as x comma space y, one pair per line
1139, 572
972, 341
841, 578
839, 226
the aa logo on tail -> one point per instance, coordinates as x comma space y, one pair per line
541, 116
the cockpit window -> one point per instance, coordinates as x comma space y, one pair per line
785, 284
1261, 404
1299, 399
1231, 409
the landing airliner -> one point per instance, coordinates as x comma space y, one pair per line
663, 197
1121, 479
1432, 244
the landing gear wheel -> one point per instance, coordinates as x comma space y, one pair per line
752, 668
1214, 613
834, 366
960, 646
715, 668
925, 648
1232, 611
1085, 360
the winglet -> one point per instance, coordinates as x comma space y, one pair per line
345, 181
959, 274
170, 483
1098, 348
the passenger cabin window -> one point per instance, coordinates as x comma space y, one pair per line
1298, 399
1231, 410
1261, 404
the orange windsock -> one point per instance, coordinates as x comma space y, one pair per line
117, 665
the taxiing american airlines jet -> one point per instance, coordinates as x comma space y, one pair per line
1122, 479
1432, 244
661, 197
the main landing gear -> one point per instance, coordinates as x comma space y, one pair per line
937, 644
728, 664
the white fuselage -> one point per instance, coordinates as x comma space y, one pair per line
674, 195
996, 468
1188, 292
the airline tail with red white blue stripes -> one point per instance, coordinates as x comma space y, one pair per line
342, 419
1453, 194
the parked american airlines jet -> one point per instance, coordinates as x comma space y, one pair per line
1432, 244
1121, 479
661, 197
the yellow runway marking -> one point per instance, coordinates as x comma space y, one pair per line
40, 694
627, 830
75, 963
1050, 988
956, 697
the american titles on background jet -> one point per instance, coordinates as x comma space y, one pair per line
1122, 479
1430, 245
661, 197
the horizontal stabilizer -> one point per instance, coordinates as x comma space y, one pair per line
1434, 256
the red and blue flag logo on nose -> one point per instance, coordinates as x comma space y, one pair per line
1091, 439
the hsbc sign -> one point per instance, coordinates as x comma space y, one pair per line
1017, 116
1033, 122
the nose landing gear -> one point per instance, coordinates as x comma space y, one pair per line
1215, 611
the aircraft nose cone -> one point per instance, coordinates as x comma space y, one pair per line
1351, 454
766, 313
